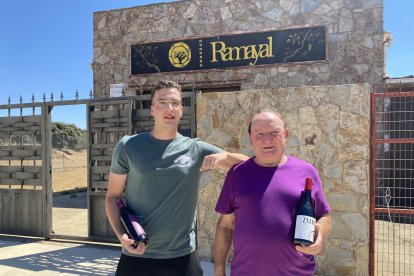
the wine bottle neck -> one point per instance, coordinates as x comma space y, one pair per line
308, 194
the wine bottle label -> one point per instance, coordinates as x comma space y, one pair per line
138, 228
305, 228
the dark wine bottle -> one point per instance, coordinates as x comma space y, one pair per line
131, 224
305, 217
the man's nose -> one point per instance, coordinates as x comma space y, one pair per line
268, 136
169, 105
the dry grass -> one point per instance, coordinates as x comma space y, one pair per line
69, 170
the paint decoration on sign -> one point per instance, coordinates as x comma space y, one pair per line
247, 49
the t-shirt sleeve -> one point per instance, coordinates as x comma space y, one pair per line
119, 163
225, 201
207, 149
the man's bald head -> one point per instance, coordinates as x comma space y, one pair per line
262, 114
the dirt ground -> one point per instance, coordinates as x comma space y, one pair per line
394, 248
69, 170
70, 215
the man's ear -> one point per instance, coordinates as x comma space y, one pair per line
286, 133
152, 112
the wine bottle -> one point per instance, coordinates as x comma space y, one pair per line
131, 224
305, 217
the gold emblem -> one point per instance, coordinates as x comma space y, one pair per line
179, 55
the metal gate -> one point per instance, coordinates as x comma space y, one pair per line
25, 187
25, 165
108, 121
392, 184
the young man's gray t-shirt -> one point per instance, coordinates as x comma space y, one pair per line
162, 186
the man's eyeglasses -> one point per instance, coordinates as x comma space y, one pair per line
165, 103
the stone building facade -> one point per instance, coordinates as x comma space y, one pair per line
355, 51
325, 102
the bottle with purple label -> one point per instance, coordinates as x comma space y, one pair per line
131, 224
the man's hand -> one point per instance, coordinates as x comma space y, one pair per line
223, 160
211, 162
316, 247
128, 244
323, 227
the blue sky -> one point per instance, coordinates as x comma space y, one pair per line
46, 46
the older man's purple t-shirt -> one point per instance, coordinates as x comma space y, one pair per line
264, 201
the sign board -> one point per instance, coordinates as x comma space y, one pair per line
247, 49
116, 89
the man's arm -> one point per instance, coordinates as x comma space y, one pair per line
223, 160
116, 186
222, 243
323, 228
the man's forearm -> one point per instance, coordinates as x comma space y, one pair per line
232, 159
325, 225
116, 186
222, 245
223, 160
113, 215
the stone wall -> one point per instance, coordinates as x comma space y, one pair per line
354, 41
329, 127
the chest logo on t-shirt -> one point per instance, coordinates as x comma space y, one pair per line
183, 161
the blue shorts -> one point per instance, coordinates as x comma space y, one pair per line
187, 265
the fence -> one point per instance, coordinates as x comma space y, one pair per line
392, 184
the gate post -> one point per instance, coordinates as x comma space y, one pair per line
46, 169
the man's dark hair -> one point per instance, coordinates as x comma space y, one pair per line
165, 84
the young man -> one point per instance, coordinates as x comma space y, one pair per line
161, 171
258, 203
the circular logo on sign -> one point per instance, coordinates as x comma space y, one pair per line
179, 55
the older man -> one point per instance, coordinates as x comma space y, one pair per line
258, 204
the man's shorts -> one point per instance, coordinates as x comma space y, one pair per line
188, 265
